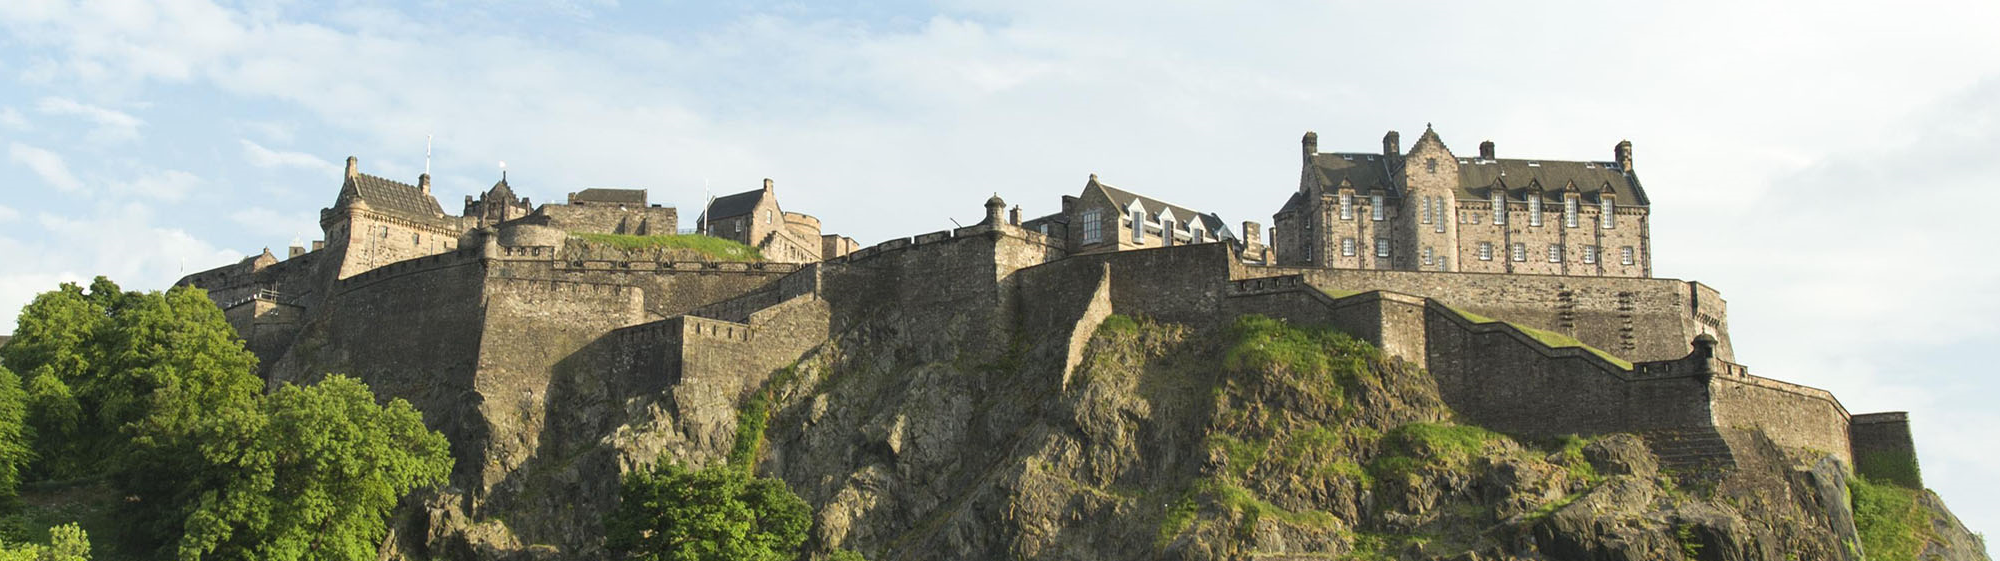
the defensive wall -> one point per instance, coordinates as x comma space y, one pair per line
1883, 448
1638, 319
611, 218
969, 271
671, 288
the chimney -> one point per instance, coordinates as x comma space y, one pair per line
424, 183
319, 245
295, 251
1486, 150
1623, 154
1250, 231
1014, 216
1068, 205
767, 185
1309, 145
1392, 144
353, 166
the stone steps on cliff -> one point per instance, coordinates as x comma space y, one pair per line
1691, 452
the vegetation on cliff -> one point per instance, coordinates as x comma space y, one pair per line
689, 246
147, 406
717, 513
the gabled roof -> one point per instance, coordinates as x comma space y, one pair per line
614, 196
1124, 199
734, 205
1361, 170
389, 196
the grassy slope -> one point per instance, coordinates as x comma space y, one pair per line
711, 247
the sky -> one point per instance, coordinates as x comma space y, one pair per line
1823, 164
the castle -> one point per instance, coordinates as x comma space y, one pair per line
496, 327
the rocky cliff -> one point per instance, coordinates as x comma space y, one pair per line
1244, 439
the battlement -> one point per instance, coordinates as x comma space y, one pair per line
457, 258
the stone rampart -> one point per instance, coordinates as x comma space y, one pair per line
1792, 415
671, 288
1636, 319
1883, 449
603, 218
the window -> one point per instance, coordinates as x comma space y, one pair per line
1519, 252
1444, 264
1485, 251
1569, 212
1194, 233
1534, 209
1555, 253
1346, 206
1431, 165
1347, 247
1138, 226
1439, 228
1381, 247
1166, 231
767, 217
1605, 214
416, 240
1499, 207
1625, 255
1427, 210
1093, 226
1375, 204
1590, 254
1427, 257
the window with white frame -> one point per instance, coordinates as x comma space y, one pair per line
1346, 206
1427, 209
1439, 227
1499, 207
1138, 226
1589, 254
1534, 209
1519, 252
1606, 214
1194, 232
1375, 208
1093, 226
1166, 230
1555, 253
1347, 247
1444, 263
1570, 211
1625, 255
1427, 256
1381, 247
1485, 251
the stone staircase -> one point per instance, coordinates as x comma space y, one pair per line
1691, 453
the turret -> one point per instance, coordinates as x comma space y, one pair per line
994, 209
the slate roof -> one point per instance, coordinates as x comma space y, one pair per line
1210, 222
389, 196
729, 206
1477, 177
614, 196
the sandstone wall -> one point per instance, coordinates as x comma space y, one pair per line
1791, 415
607, 218
670, 288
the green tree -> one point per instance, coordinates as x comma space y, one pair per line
52, 349
717, 513
310, 474
67, 543
14, 436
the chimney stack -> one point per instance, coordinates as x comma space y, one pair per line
1392, 144
1623, 154
1309, 145
424, 183
1486, 150
353, 166
1014, 216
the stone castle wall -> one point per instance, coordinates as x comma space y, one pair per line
1883, 448
1637, 319
606, 218
1791, 415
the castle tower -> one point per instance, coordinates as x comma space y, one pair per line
1427, 229
995, 209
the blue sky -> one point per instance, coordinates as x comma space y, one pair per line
1824, 164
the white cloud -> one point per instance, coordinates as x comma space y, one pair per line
268, 224
112, 125
13, 119
47, 165
8, 214
263, 157
168, 185
122, 242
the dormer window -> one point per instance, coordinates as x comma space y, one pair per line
1166, 230
1570, 211
1606, 219
1376, 211
1346, 206
1138, 226
1534, 209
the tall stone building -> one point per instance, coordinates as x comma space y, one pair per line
755, 219
1431, 210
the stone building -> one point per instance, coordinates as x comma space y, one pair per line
755, 219
378, 221
1106, 218
1431, 210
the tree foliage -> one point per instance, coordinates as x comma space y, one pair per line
717, 513
310, 474
68, 543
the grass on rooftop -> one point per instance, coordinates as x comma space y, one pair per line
709, 246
